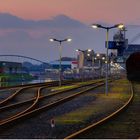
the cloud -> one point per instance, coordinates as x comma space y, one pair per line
31, 38
9, 21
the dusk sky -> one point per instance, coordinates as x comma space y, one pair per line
27, 25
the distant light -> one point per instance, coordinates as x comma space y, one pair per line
94, 26
77, 50
3, 64
111, 62
88, 54
120, 26
103, 58
69, 39
51, 39
89, 50
98, 55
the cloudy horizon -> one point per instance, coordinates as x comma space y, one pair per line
26, 29
31, 38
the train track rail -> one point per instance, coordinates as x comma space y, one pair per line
81, 133
22, 88
16, 93
35, 101
41, 106
46, 96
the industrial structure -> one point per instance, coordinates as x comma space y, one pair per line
120, 48
10, 67
65, 65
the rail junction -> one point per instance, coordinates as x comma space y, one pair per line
77, 110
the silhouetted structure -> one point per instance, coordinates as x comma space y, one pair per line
133, 67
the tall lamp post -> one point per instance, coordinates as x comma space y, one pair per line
120, 26
60, 55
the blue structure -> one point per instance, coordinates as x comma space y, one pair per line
132, 48
118, 45
64, 65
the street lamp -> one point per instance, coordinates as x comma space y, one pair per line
60, 54
89, 50
103, 58
120, 26
98, 55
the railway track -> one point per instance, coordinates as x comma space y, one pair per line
50, 94
53, 107
5, 93
32, 102
13, 95
25, 110
14, 91
49, 102
103, 128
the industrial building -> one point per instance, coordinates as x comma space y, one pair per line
120, 48
65, 65
85, 58
10, 67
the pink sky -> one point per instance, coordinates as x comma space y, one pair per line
88, 11
34, 42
